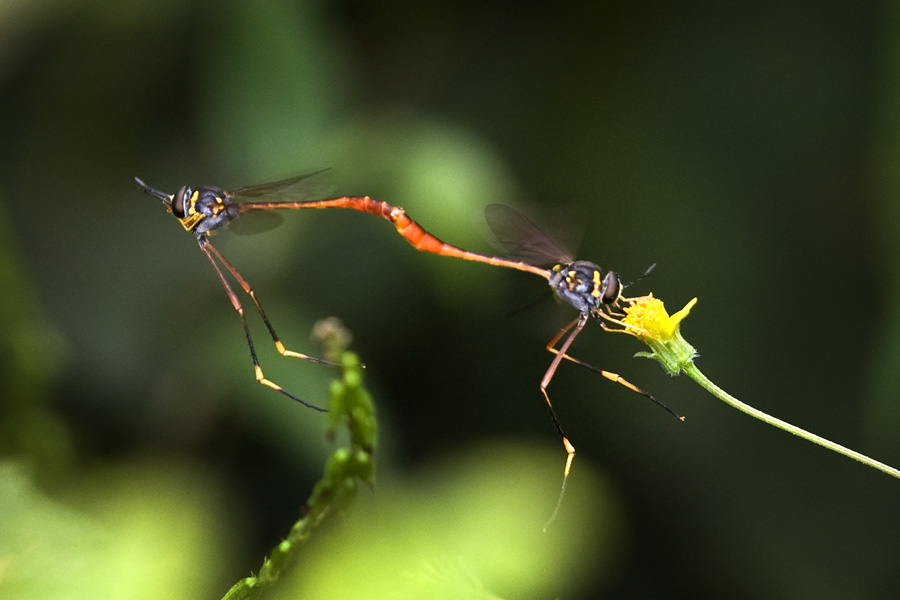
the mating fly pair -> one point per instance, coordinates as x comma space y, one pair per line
581, 284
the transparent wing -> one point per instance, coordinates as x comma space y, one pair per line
522, 239
313, 186
257, 203
256, 221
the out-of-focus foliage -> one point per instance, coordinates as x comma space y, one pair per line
465, 528
142, 528
748, 149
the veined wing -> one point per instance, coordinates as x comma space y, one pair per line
522, 238
309, 187
257, 203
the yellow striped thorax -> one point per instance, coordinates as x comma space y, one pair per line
583, 285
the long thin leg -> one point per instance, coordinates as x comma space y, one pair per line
414, 233
560, 353
246, 287
209, 250
551, 370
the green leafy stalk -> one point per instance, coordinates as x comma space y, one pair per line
351, 407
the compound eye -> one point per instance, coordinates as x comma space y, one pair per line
180, 201
612, 287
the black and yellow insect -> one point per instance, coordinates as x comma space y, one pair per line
208, 208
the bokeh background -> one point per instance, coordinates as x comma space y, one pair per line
750, 149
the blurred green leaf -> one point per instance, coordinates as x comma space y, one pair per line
142, 529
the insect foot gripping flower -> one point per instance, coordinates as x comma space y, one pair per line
647, 320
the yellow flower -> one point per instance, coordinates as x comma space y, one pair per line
647, 316
646, 319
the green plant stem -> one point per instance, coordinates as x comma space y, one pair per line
351, 408
691, 370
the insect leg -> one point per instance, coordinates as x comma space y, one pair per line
608, 374
578, 324
210, 250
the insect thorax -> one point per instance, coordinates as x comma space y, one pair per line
583, 285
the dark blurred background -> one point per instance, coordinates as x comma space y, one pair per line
749, 149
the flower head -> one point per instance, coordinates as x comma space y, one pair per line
646, 319
647, 316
